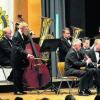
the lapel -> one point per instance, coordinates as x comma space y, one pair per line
94, 56
66, 42
99, 58
9, 43
76, 53
21, 39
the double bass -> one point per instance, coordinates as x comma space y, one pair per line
36, 74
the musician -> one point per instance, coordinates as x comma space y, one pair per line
65, 44
5, 47
73, 63
5, 50
85, 46
19, 56
94, 54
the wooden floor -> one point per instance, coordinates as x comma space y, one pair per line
33, 95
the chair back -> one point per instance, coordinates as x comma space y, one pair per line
61, 68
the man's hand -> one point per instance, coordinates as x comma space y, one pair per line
98, 65
30, 56
88, 61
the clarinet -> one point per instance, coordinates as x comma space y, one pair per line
95, 64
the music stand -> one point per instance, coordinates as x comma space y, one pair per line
50, 45
36, 40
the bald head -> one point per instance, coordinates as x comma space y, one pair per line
7, 32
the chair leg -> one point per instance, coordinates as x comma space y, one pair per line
58, 91
69, 86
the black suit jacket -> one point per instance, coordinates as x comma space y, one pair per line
74, 60
92, 55
63, 49
19, 55
5, 51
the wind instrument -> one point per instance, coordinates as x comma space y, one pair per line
45, 25
76, 33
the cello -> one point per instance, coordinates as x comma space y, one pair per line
36, 74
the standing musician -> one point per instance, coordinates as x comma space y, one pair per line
73, 62
65, 44
19, 56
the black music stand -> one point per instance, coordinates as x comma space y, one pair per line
50, 45
36, 40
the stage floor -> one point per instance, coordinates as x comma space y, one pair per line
33, 95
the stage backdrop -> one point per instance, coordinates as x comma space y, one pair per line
31, 11
6, 19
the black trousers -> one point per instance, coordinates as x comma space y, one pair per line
96, 76
18, 79
86, 77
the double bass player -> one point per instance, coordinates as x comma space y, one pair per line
19, 57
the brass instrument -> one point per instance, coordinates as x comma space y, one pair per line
76, 33
45, 25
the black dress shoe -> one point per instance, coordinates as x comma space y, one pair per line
83, 93
23, 92
20, 93
88, 91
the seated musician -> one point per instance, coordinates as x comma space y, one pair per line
65, 44
85, 46
19, 56
94, 54
5, 50
73, 62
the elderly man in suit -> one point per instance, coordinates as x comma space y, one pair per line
5, 50
19, 56
5, 47
73, 61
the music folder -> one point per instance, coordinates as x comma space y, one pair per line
50, 45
